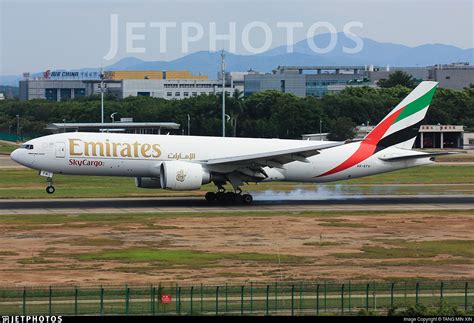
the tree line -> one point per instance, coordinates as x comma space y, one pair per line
269, 114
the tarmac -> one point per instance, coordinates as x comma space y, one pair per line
199, 205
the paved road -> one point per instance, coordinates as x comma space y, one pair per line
130, 205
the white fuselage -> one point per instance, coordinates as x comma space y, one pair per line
137, 155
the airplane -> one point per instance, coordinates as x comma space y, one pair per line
183, 163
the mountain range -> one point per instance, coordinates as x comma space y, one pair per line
372, 53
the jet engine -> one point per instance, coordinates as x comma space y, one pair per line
183, 176
148, 182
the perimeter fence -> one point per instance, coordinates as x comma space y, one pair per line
301, 298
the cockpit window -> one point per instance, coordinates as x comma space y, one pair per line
25, 146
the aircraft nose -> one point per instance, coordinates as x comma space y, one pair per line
19, 156
15, 156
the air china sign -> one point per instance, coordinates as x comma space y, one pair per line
63, 75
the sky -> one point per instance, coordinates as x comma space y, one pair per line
36, 35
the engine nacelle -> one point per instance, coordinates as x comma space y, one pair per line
183, 176
148, 182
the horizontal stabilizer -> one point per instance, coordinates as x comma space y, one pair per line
417, 156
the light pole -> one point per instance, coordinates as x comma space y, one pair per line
189, 125
223, 92
320, 130
102, 85
64, 125
112, 116
17, 127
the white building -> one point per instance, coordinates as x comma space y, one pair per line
172, 89
468, 140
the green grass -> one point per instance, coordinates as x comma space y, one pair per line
419, 249
6, 148
190, 258
433, 174
23, 183
463, 157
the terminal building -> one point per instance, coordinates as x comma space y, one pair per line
121, 84
450, 76
301, 81
171, 89
305, 81
317, 81
52, 90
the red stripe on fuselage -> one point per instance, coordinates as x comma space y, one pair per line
367, 147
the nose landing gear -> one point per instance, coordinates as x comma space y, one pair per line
49, 179
50, 188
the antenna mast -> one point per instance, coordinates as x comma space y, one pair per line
223, 92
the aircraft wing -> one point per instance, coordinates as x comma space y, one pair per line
270, 159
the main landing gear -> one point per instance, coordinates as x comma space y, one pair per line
229, 197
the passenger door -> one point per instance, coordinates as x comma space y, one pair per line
60, 150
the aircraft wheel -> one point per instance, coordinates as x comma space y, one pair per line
210, 196
50, 189
247, 199
229, 197
219, 197
238, 198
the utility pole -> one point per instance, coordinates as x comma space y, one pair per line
189, 125
320, 129
102, 84
17, 127
223, 92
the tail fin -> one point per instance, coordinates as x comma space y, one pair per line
400, 127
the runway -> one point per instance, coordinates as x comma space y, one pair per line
199, 205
